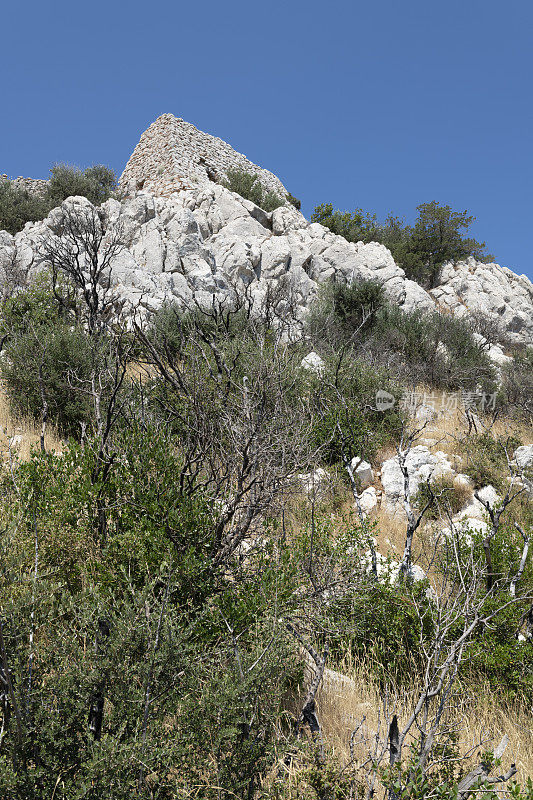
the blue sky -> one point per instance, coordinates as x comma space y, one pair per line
380, 105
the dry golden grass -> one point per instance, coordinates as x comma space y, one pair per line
19, 436
344, 699
451, 425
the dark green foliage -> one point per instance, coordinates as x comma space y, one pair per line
448, 496
294, 201
355, 302
185, 703
52, 365
436, 237
517, 380
47, 360
381, 628
95, 183
420, 249
355, 227
426, 346
249, 186
498, 659
19, 206
344, 399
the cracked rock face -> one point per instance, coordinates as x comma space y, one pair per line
187, 237
470, 286
206, 240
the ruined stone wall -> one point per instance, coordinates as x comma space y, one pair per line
172, 154
33, 185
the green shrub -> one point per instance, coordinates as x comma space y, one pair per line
19, 206
95, 183
294, 201
517, 384
183, 705
345, 399
420, 249
486, 459
249, 186
354, 227
448, 494
354, 302
426, 346
381, 627
46, 355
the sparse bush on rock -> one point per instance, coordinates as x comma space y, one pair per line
249, 187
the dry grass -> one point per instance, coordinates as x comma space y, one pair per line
344, 699
19, 436
451, 424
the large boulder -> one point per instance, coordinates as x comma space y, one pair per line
523, 457
362, 470
421, 464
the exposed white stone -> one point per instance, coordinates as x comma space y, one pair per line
313, 482
490, 496
463, 480
176, 219
496, 291
362, 470
421, 465
388, 570
368, 500
523, 456
313, 362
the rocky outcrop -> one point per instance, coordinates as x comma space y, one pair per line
187, 237
207, 240
32, 185
421, 464
507, 298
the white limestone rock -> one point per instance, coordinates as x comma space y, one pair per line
368, 500
496, 291
313, 363
176, 219
314, 482
523, 457
362, 470
421, 465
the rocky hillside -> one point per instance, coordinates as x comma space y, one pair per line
186, 236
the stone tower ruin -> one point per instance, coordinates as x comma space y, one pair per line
172, 154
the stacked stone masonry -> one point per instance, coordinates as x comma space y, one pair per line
33, 185
172, 155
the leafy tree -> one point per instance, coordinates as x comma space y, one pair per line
96, 183
436, 237
421, 249
19, 206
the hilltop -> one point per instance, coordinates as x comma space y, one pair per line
186, 236
265, 500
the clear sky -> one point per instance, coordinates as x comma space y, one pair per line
382, 104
